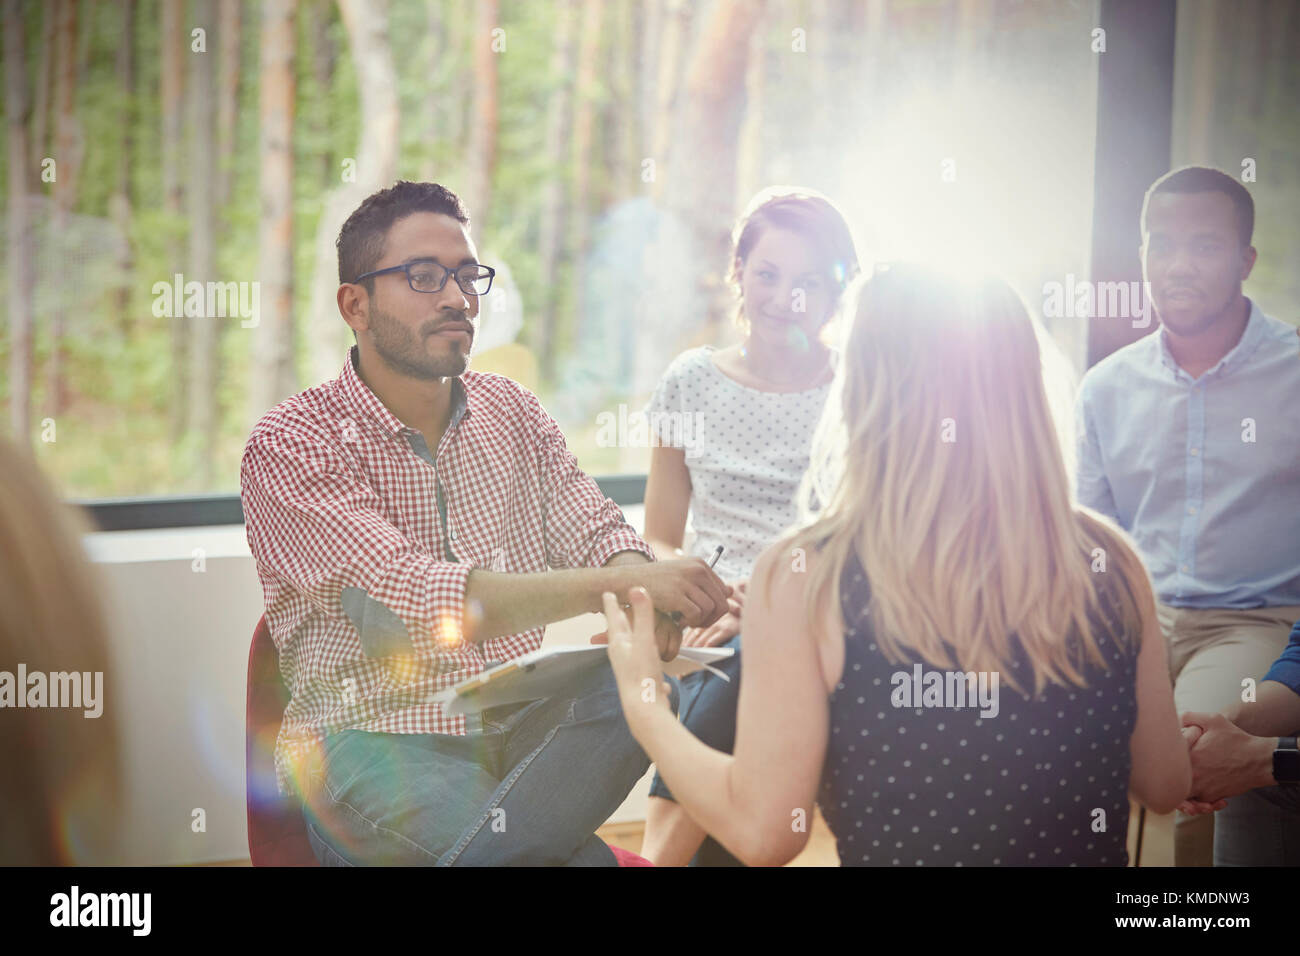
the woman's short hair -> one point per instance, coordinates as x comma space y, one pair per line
807, 213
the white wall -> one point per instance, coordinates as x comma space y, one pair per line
183, 605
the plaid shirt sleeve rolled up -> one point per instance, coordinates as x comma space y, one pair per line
363, 598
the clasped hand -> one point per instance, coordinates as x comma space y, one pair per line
1223, 761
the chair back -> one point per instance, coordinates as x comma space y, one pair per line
277, 833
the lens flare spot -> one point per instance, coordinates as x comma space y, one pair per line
796, 339
449, 635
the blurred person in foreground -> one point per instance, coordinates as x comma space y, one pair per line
60, 799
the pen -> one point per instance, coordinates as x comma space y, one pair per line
717, 553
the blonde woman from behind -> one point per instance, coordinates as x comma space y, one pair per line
960, 665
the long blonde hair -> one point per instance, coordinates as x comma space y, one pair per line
62, 786
937, 462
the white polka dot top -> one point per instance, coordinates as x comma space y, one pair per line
746, 451
1041, 783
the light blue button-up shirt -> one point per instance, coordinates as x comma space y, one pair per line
1203, 473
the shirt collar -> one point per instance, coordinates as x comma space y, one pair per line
359, 395
1246, 345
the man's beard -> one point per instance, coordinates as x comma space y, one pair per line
1196, 324
403, 350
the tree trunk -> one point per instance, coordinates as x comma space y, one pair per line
652, 29
87, 18
229, 31
174, 43
366, 23
1278, 62
483, 129
699, 207
272, 358
17, 109
551, 240
583, 124
204, 344
1247, 58
820, 83
1205, 32
676, 32
119, 203
625, 64
68, 151
41, 108
456, 107
436, 116
705, 164
749, 172
322, 68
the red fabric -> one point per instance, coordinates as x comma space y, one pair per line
277, 835
628, 858
335, 497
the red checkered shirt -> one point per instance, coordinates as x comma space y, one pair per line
336, 498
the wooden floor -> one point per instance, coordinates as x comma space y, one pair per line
1157, 842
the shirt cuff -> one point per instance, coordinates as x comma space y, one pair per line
1285, 672
1286, 669
619, 541
446, 584
418, 607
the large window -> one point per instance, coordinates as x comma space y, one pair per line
604, 151
1237, 107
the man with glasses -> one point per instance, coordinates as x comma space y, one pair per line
401, 517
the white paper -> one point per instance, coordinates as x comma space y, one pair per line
550, 671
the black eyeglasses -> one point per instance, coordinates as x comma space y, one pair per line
428, 275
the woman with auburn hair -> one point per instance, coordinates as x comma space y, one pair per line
959, 664
744, 418
58, 802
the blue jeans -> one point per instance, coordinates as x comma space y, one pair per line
708, 710
527, 785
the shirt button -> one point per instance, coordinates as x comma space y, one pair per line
1196, 451
1191, 511
1187, 568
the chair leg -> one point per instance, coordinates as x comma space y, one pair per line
1142, 822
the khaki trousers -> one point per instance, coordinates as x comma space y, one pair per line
1211, 651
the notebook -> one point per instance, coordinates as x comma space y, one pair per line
549, 671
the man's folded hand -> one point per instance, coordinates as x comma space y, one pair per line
1226, 761
684, 587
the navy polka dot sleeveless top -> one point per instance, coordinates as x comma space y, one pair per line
928, 783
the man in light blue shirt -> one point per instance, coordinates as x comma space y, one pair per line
1190, 441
